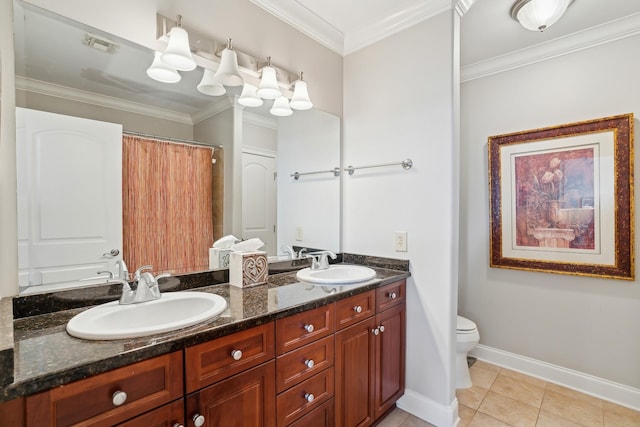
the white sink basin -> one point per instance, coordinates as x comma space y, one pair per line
174, 310
337, 274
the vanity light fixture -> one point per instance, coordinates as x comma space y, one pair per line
162, 72
269, 83
178, 53
300, 99
228, 73
249, 97
209, 85
281, 107
538, 15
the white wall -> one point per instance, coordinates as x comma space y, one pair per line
399, 103
585, 324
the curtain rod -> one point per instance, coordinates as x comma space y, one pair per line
169, 139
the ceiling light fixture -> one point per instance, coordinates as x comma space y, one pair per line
269, 83
209, 85
281, 107
178, 52
162, 72
249, 97
300, 99
228, 73
538, 15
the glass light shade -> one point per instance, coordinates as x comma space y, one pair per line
281, 107
209, 85
228, 73
300, 99
249, 97
178, 54
538, 15
269, 84
162, 72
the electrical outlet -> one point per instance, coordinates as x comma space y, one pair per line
299, 233
401, 241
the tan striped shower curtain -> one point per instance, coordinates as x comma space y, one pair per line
167, 205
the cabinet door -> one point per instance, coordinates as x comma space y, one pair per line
355, 369
390, 358
169, 415
244, 400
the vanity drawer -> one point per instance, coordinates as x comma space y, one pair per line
353, 309
93, 401
222, 357
293, 367
390, 295
324, 416
304, 397
302, 328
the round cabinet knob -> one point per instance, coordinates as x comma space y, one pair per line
393, 295
309, 363
177, 425
375, 331
309, 397
236, 354
357, 309
309, 328
119, 397
198, 420
381, 328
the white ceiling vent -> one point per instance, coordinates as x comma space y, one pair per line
100, 43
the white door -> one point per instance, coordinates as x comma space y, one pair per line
259, 199
69, 235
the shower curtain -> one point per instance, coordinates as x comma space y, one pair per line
167, 205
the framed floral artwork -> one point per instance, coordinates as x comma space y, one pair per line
561, 199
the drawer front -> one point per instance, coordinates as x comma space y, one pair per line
222, 357
298, 365
304, 397
302, 328
390, 295
353, 309
93, 401
169, 415
319, 417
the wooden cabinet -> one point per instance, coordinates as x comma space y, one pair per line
109, 398
370, 360
169, 415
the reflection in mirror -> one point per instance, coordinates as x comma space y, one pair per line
65, 75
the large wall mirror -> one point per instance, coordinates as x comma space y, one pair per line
67, 68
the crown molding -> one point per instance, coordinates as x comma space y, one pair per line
76, 95
215, 108
394, 24
305, 21
602, 34
463, 6
259, 120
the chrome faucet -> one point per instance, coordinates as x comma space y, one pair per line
123, 271
320, 260
289, 251
147, 289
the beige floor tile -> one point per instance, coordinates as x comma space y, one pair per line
575, 395
482, 420
619, 416
471, 397
521, 391
485, 365
508, 410
573, 408
394, 419
466, 414
412, 421
524, 378
546, 419
483, 376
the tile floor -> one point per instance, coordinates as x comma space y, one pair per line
504, 398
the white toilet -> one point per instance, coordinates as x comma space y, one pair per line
467, 337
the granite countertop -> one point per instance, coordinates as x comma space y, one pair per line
45, 356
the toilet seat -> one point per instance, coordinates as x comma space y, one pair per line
465, 326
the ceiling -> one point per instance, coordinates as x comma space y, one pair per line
487, 29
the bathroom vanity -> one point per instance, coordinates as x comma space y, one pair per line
287, 353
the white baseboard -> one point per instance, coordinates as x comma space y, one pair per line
422, 407
585, 383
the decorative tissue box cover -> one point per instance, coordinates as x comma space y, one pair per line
248, 268
219, 258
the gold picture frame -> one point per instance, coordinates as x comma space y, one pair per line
561, 199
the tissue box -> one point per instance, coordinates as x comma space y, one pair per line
248, 268
219, 258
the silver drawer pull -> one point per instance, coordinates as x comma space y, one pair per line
357, 309
118, 398
309, 363
393, 295
309, 328
236, 354
375, 331
198, 420
177, 425
309, 397
381, 328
